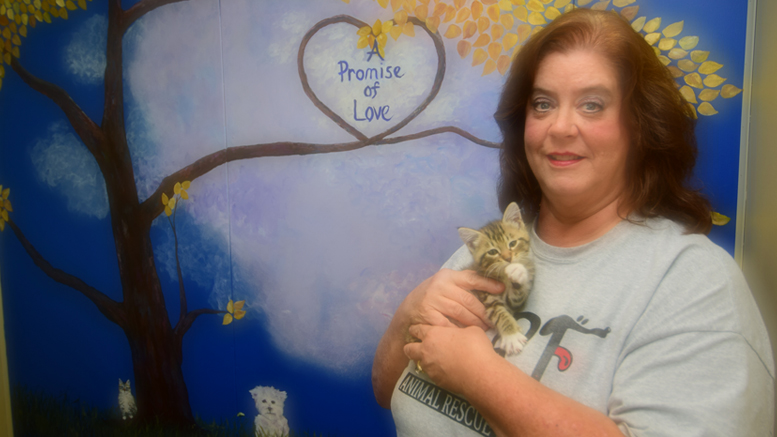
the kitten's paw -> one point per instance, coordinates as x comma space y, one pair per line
512, 344
517, 273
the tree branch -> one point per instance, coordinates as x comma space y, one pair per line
86, 129
152, 206
113, 310
140, 9
185, 323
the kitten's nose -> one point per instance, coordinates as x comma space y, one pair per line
507, 256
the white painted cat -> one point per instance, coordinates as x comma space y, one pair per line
126, 401
270, 420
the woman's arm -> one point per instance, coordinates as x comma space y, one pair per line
464, 361
442, 300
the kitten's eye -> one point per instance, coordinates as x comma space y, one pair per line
273, 402
264, 401
493, 252
513, 244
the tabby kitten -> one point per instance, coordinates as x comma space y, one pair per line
500, 251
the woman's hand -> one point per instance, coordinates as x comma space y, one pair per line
445, 300
450, 355
442, 300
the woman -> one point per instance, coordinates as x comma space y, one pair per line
637, 323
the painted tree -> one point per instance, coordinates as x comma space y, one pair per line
155, 341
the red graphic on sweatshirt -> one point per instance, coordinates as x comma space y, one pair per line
564, 358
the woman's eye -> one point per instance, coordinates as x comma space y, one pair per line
592, 107
493, 252
541, 105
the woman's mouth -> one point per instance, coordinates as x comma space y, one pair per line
563, 159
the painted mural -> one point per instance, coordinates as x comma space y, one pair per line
220, 203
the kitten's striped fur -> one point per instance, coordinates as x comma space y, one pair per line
500, 251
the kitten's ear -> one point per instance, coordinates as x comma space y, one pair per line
469, 236
513, 214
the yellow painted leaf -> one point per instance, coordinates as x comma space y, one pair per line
699, 56
377, 27
458, 4
479, 57
561, 3
503, 64
600, 6
692, 109
409, 29
537, 19
23, 31
630, 12
676, 53
396, 4
171, 203
4, 215
666, 44
719, 219
509, 41
422, 12
686, 65
165, 199
439, 10
483, 24
489, 68
387, 25
184, 194
706, 109
505, 5
709, 67
433, 23
552, 13
521, 13
7, 58
493, 12
227, 319
400, 17
524, 31
186, 184
2, 225
497, 31
239, 305
2, 75
664, 60
463, 47
177, 188
231, 306
713, 80
239, 314
63, 14
463, 15
450, 14
676, 72
70, 5
363, 42
61, 3
689, 42
673, 29
482, 41
383, 3
241, 414
535, 6
7, 205
453, 31
536, 30
622, 3
728, 91
168, 211
396, 31
469, 29
694, 80
507, 21
82, 4
652, 25
382, 39
382, 51
708, 95
494, 50
652, 38
688, 94
477, 9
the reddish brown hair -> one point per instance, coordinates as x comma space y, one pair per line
663, 144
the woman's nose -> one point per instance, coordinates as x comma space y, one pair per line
564, 123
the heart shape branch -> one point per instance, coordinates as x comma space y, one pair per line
440, 74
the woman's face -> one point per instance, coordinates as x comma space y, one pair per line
575, 137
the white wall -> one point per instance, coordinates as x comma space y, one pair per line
759, 250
